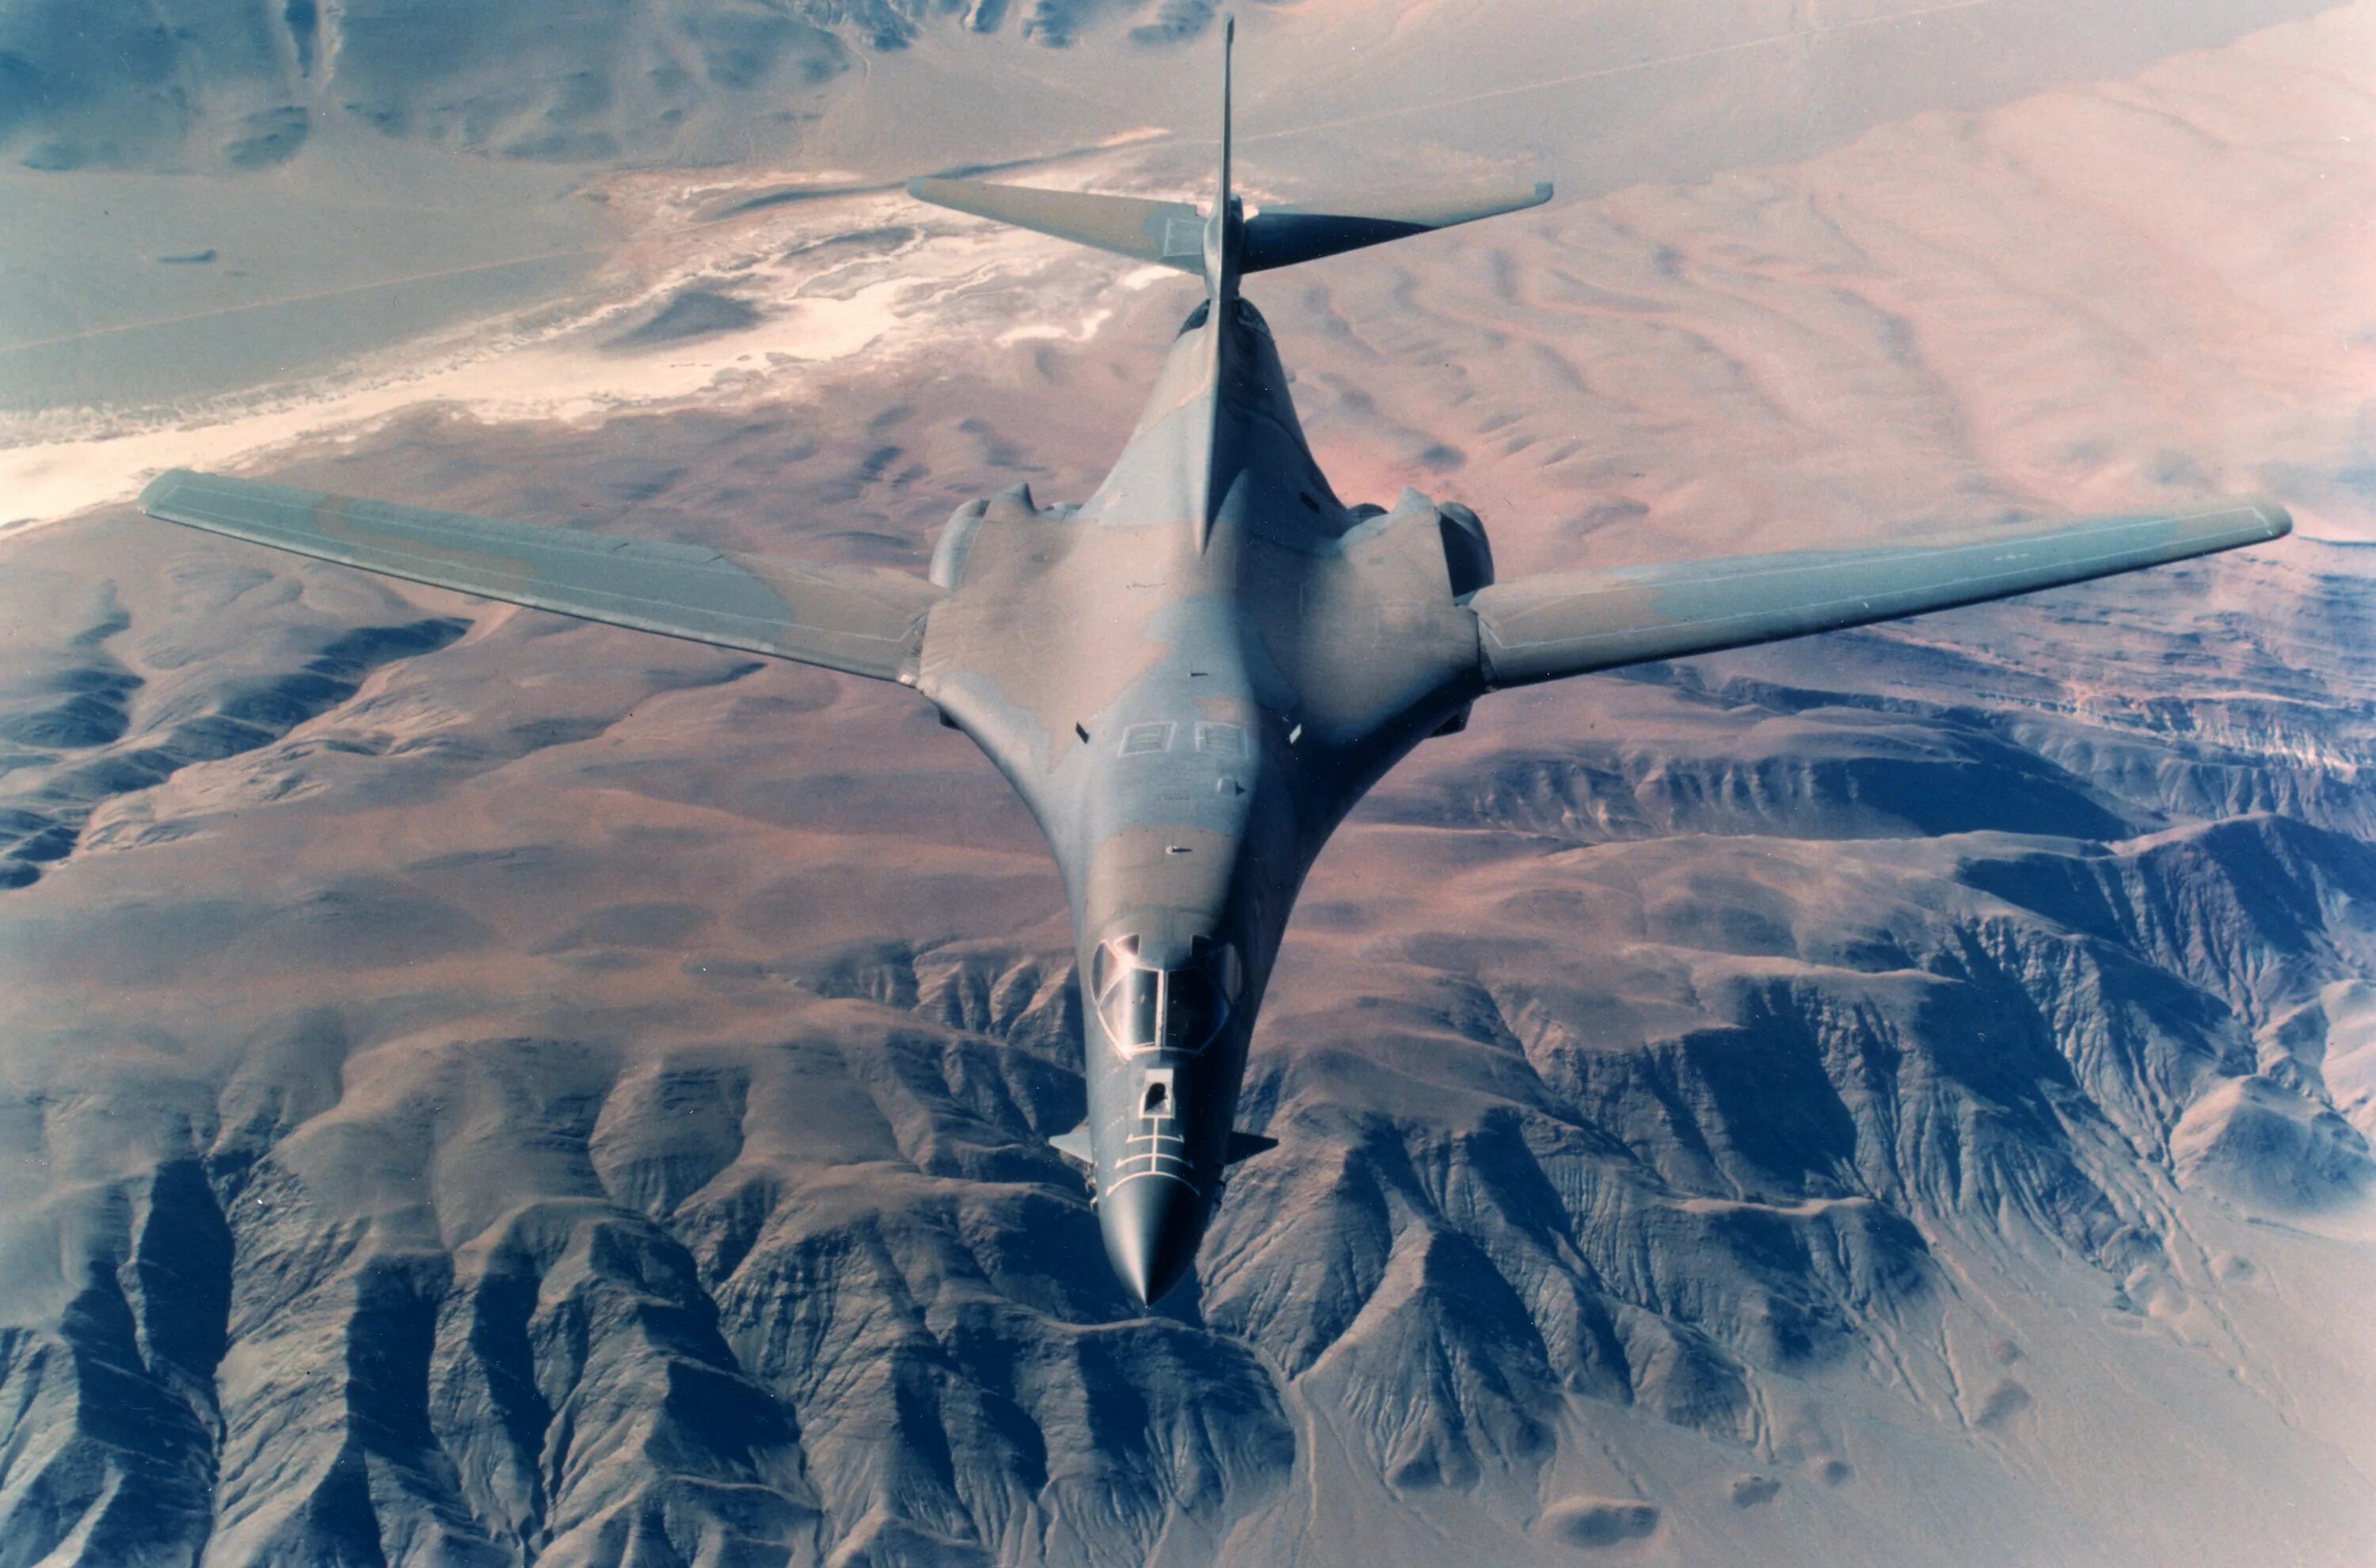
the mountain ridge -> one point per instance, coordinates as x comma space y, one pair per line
482, 1087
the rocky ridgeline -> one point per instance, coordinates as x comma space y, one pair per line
186, 85
1690, 1081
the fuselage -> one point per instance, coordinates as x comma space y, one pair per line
1189, 678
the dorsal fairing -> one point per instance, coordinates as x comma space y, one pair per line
1265, 476
1220, 439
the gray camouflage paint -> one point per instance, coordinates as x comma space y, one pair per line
1193, 676
1188, 724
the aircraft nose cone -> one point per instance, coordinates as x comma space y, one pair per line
1152, 1225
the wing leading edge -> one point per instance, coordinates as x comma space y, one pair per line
855, 618
1573, 622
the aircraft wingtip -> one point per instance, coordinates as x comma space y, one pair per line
153, 494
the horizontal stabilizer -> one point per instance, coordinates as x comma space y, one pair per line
1172, 233
862, 620
1281, 236
1573, 622
1169, 233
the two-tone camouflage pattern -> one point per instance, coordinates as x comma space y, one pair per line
1190, 677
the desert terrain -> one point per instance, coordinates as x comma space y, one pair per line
478, 1088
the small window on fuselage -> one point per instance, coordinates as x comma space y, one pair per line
1183, 1009
1192, 1010
1132, 1007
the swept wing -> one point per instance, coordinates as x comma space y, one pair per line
1571, 622
855, 618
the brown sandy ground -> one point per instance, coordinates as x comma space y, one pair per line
480, 1088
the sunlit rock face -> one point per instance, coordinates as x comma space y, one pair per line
479, 1089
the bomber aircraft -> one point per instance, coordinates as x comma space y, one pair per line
1192, 675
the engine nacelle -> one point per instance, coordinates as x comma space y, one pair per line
1469, 563
957, 544
1468, 554
958, 534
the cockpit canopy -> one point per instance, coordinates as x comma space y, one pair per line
1144, 1008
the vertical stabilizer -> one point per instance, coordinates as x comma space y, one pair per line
1224, 227
1221, 242
1225, 238
1228, 52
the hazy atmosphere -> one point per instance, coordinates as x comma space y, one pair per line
480, 1088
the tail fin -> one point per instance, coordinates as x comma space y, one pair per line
1223, 243
1229, 54
1171, 232
1225, 227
